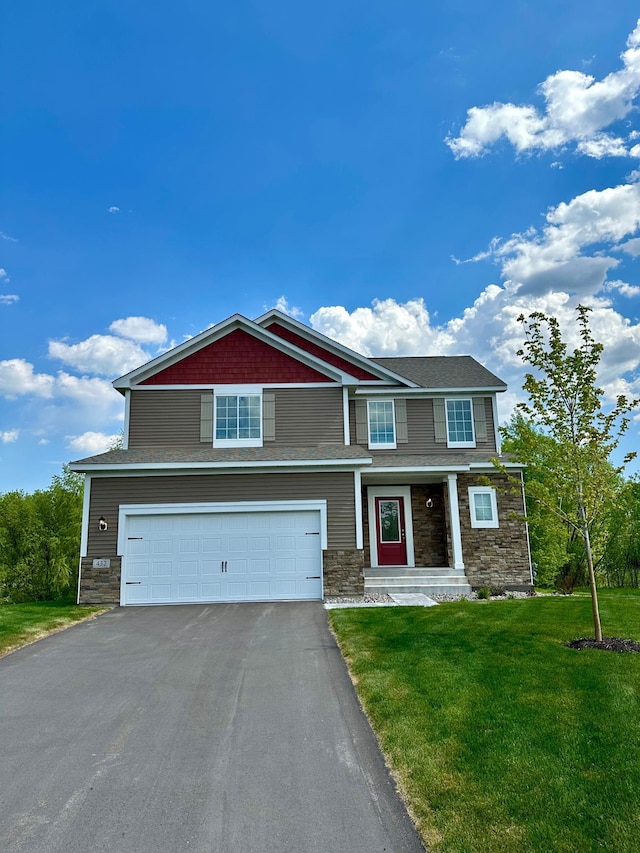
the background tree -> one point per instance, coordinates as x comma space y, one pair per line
566, 404
621, 555
40, 540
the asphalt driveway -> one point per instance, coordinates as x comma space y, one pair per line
223, 728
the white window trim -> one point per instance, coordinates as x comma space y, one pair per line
473, 428
382, 445
483, 490
236, 391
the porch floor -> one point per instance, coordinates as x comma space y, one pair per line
428, 580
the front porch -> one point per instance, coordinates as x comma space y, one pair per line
418, 537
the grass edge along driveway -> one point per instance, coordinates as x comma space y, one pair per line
500, 737
22, 624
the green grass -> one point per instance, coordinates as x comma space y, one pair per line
500, 737
21, 624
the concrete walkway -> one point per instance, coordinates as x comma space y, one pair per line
226, 728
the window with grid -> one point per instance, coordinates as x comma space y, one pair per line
238, 417
460, 423
382, 431
483, 506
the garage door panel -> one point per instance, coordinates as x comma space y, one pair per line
222, 557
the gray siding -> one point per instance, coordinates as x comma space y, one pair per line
109, 492
421, 430
164, 418
309, 416
171, 418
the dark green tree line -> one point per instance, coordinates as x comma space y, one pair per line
40, 540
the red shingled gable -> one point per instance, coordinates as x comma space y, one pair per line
315, 349
236, 359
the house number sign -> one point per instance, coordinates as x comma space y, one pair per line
102, 564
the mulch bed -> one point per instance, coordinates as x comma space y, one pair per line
608, 644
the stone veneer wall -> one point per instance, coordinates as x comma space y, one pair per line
495, 556
429, 530
343, 575
99, 586
343, 572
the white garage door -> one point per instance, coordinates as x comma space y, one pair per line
245, 556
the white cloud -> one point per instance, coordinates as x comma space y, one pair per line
386, 329
140, 329
8, 237
17, 378
569, 253
490, 332
90, 392
8, 298
91, 442
629, 290
9, 436
113, 209
282, 304
578, 108
103, 354
3, 275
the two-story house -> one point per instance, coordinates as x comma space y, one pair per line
263, 461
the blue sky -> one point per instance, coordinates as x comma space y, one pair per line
406, 177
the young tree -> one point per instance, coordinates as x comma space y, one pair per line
565, 401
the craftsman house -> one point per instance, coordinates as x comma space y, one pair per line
264, 461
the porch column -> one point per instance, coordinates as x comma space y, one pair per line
454, 516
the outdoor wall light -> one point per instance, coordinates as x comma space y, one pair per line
102, 523
429, 503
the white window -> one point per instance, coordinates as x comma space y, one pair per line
382, 429
237, 418
460, 423
483, 506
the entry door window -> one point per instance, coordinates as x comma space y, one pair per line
389, 521
390, 531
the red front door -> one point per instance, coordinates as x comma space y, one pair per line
390, 532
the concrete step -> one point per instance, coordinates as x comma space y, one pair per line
416, 580
425, 589
431, 571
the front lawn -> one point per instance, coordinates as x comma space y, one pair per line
21, 624
500, 737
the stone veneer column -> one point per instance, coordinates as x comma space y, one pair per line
454, 520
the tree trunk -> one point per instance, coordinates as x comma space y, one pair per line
592, 575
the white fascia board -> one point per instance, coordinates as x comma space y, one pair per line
516, 466
330, 344
419, 469
429, 392
231, 467
209, 336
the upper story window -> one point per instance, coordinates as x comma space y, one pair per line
382, 431
460, 423
238, 419
483, 506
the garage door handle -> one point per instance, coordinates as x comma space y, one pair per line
313, 577
316, 533
130, 583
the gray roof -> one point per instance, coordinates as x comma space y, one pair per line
230, 455
443, 371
